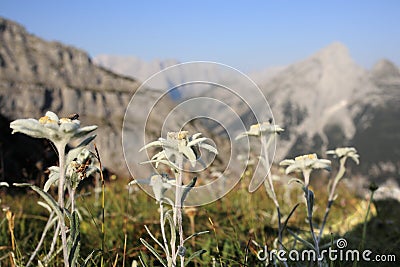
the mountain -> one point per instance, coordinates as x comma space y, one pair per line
37, 76
324, 101
327, 100
142, 70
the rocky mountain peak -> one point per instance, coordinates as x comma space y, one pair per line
333, 53
385, 69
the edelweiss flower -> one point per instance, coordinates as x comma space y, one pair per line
177, 144
348, 152
52, 128
261, 129
305, 164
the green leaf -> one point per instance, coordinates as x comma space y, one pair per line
171, 226
74, 240
74, 153
194, 255
288, 217
187, 188
46, 196
155, 239
309, 194
87, 141
195, 234
53, 177
305, 242
152, 250
143, 259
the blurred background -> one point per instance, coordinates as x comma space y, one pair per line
329, 71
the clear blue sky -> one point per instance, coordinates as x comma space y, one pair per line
248, 35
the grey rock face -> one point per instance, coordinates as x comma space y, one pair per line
36, 76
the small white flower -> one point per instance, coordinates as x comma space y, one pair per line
261, 129
305, 164
179, 143
52, 128
348, 152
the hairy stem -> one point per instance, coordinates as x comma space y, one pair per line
178, 205
364, 232
270, 186
332, 190
61, 184
162, 224
306, 174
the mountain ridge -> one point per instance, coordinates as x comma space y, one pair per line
326, 100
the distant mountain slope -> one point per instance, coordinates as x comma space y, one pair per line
324, 101
327, 100
36, 76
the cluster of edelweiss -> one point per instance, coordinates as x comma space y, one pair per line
79, 162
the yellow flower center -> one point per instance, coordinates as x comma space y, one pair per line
308, 156
46, 119
65, 120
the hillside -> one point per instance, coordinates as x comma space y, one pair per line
37, 76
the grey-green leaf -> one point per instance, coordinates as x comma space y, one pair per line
187, 189
152, 250
194, 255
46, 196
305, 242
74, 240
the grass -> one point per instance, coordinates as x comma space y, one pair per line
232, 221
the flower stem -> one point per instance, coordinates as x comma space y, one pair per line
332, 190
270, 186
306, 175
61, 183
162, 224
364, 232
178, 205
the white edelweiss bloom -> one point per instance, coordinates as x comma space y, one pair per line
348, 152
52, 128
261, 129
305, 164
177, 144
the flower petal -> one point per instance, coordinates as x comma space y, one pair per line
188, 152
29, 127
286, 162
69, 127
84, 131
196, 135
196, 141
210, 148
52, 116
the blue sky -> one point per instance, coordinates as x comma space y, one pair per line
248, 35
